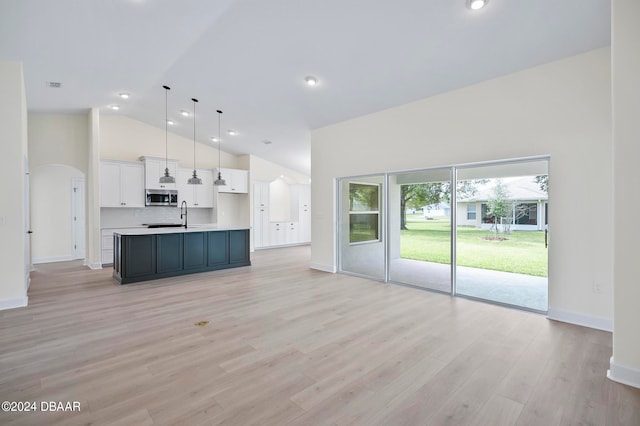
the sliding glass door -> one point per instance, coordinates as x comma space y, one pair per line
420, 229
478, 231
501, 233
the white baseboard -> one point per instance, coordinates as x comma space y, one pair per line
93, 265
36, 260
590, 321
623, 374
16, 302
325, 268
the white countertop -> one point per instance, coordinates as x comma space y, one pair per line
175, 230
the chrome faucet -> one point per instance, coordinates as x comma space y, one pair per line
184, 215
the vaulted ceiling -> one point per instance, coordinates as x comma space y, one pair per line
250, 58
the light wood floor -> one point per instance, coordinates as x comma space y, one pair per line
289, 345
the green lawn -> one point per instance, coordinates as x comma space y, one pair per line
523, 252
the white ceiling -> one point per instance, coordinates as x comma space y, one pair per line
249, 58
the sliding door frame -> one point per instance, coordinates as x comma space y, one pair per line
386, 223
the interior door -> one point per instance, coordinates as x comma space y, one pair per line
27, 226
78, 217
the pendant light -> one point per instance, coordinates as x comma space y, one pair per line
166, 178
219, 181
194, 180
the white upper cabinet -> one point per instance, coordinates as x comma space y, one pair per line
237, 181
195, 195
154, 168
121, 184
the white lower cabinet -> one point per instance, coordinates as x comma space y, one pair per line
106, 246
283, 233
291, 233
276, 234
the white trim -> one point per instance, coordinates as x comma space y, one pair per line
52, 259
590, 321
324, 268
94, 266
16, 302
623, 374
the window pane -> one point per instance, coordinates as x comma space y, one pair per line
471, 212
527, 214
363, 197
363, 227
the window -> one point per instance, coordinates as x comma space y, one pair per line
471, 212
485, 214
364, 209
526, 214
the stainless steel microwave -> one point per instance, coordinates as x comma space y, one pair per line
162, 197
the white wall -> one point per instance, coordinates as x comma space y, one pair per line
51, 211
266, 171
625, 362
561, 109
59, 139
123, 138
13, 139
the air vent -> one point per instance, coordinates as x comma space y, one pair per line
54, 84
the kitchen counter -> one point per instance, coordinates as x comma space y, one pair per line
173, 230
142, 254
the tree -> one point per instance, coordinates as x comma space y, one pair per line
543, 182
498, 206
418, 195
425, 194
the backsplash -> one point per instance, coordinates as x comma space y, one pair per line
125, 217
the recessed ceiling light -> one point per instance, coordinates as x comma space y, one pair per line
115, 107
124, 95
170, 122
311, 80
215, 139
476, 4
184, 113
267, 142
232, 132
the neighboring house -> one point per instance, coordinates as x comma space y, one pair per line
530, 201
436, 210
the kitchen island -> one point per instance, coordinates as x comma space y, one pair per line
142, 254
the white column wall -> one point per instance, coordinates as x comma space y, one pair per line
625, 362
13, 139
561, 109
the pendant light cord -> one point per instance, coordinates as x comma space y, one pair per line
219, 140
194, 135
166, 128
